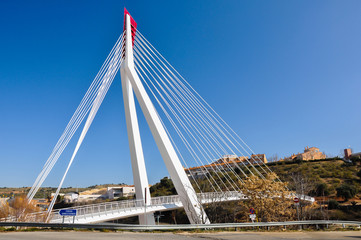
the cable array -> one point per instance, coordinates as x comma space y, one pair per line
88, 106
201, 131
200, 136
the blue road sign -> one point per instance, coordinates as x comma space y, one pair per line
67, 212
251, 211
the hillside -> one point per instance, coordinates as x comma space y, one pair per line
326, 175
323, 179
46, 191
318, 178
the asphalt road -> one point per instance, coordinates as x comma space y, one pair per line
171, 236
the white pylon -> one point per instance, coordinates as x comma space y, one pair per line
130, 81
135, 144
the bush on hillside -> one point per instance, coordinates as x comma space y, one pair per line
164, 188
359, 174
333, 204
320, 190
346, 191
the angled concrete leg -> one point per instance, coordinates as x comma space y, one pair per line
136, 150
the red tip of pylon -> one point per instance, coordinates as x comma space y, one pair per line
133, 24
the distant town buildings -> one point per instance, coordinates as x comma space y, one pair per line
224, 163
310, 153
349, 154
122, 191
113, 192
71, 197
41, 203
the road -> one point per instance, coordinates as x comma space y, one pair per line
175, 236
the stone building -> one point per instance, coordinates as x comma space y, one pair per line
258, 158
349, 154
310, 153
224, 163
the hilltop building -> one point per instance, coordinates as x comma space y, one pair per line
224, 163
349, 154
310, 153
258, 158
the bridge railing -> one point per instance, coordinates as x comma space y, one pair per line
94, 210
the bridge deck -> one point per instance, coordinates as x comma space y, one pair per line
121, 209
108, 211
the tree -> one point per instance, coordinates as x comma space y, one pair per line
356, 160
163, 188
359, 174
273, 158
269, 197
322, 190
4, 210
333, 204
19, 208
301, 183
346, 191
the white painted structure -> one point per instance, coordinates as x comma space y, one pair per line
135, 145
206, 136
71, 197
130, 82
109, 211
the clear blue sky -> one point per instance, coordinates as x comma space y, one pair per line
283, 74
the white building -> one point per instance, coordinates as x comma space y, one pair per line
91, 197
71, 197
121, 191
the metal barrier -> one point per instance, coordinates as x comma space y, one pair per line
180, 226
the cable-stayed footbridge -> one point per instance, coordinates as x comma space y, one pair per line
108, 211
187, 131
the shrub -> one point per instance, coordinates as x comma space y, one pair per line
346, 191
359, 174
333, 204
322, 190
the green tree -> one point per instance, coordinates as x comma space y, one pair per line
333, 204
359, 174
346, 191
163, 188
322, 190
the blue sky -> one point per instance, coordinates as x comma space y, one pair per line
283, 74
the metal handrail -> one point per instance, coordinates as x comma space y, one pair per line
97, 209
126, 205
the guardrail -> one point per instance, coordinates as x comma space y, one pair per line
180, 226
